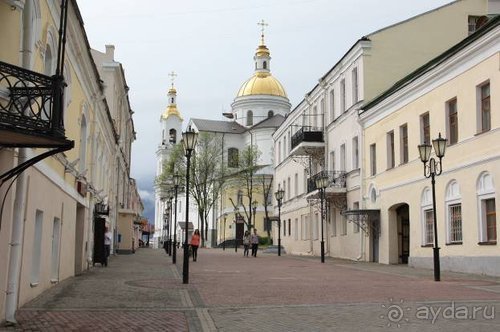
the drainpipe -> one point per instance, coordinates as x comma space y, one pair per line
16, 244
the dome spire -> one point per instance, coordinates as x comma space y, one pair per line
262, 56
172, 96
263, 25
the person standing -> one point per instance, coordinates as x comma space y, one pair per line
254, 239
195, 243
246, 243
107, 244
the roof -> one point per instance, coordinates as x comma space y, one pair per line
219, 126
492, 24
182, 225
262, 84
273, 122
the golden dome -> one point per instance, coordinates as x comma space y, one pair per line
262, 83
262, 50
172, 90
171, 110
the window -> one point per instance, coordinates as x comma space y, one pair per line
403, 134
491, 220
373, 159
289, 192
333, 221
344, 225
484, 106
451, 109
284, 227
454, 213
332, 105
296, 184
232, 157
425, 129
355, 153
289, 227
474, 23
270, 114
342, 157
172, 136
355, 206
487, 209
390, 149
36, 253
429, 227
285, 149
355, 85
239, 198
427, 218
83, 143
279, 152
315, 116
332, 161
296, 229
264, 64
342, 96
56, 240
249, 118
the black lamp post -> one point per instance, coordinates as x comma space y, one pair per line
279, 197
236, 215
224, 233
169, 225
177, 180
189, 139
433, 168
254, 210
321, 184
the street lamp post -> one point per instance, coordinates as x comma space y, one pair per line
169, 240
224, 233
321, 184
254, 210
189, 138
279, 197
177, 180
236, 214
433, 168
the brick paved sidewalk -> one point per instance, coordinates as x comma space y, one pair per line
229, 292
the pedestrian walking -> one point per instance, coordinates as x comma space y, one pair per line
107, 244
246, 243
254, 239
195, 243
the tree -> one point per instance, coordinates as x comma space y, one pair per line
208, 174
267, 194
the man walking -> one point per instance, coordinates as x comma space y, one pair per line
254, 240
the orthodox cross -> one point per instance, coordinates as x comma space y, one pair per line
172, 75
262, 24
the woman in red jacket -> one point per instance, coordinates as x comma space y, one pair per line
195, 243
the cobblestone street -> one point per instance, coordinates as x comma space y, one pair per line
229, 292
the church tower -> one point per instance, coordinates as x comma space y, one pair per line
171, 134
261, 96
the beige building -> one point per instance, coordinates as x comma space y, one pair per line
322, 136
48, 221
455, 95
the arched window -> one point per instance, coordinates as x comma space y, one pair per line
232, 157
453, 213
270, 114
249, 118
83, 143
172, 136
264, 64
487, 209
427, 218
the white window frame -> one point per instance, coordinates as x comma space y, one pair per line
453, 198
426, 205
485, 190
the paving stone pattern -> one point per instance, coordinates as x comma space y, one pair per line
229, 292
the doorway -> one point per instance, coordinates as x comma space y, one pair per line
403, 217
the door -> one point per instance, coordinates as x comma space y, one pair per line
99, 229
375, 240
405, 240
239, 232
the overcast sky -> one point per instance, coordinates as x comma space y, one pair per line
210, 45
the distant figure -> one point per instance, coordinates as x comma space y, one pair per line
107, 244
255, 242
195, 243
246, 243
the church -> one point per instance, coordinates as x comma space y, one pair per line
259, 108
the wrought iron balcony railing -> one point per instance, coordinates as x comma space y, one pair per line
307, 134
30, 108
336, 179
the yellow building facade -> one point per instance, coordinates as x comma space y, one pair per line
455, 95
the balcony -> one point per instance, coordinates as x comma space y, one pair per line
308, 141
31, 109
336, 182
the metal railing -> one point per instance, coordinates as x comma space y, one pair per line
307, 134
31, 102
335, 179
